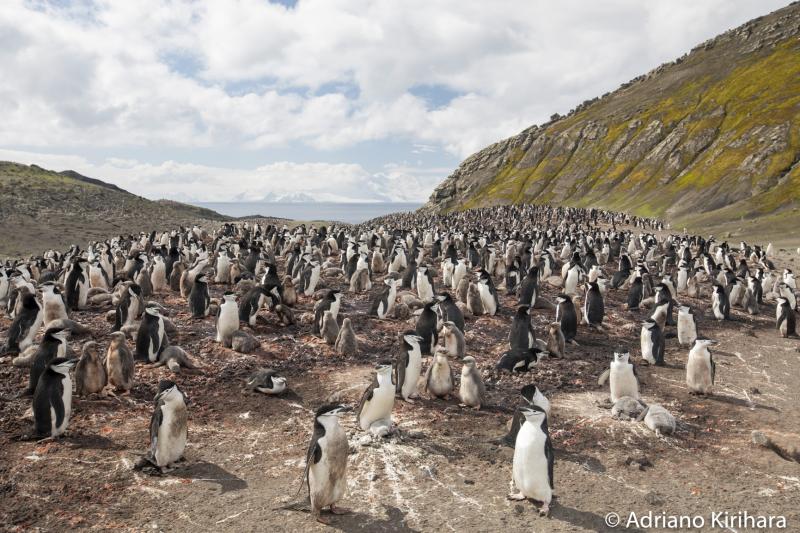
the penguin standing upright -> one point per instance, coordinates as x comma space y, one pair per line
77, 285
439, 378
375, 408
529, 287
593, 307
199, 299
635, 293
533, 398
700, 368
532, 473
119, 364
227, 319
555, 340
427, 328
408, 366
425, 285
326, 461
786, 322
687, 326
53, 303
652, 343
522, 335
90, 374
151, 337
622, 377
168, 426
471, 390
330, 302
454, 341
330, 328
346, 342
567, 317
25, 325
128, 307
383, 303
450, 311
52, 346
719, 303
52, 399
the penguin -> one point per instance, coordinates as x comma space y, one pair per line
330, 302
534, 399
462, 290
719, 303
572, 278
330, 328
474, 299
90, 374
425, 285
622, 378
488, 293
53, 303
326, 461
534, 460
439, 379
52, 399
786, 322
593, 307
700, 368
635, 293
151, 338
158, 277
427, 328
450, 311
267, 381
567, 317
346, 342
459, 273
128, 307
289, 292
471, 390
687, 326
252, 302
310, 277
522, 335
222, 270
77, 285
168, 426
52, 346
529, 288
512, 279
519, 360
652, 343
555, 340
375, 408
408, 366
383, 303
227, 319
119, 364
25, 325
199, 299
454, 341
658, 419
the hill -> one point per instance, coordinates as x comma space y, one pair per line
710, 141
42, 209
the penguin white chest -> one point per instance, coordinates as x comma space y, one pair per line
66, 399
687, 332
530, 472
379, 408
647, 346
622, 382
228, 321
489, 305
424, 289
171, 434
327, 479
571, 284
411, 378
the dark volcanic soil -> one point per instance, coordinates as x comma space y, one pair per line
443, 470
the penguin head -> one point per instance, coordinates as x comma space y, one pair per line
167, 391
411, 340
384, 368
58, 334
684, 310
469, 361
152, 310
528, 392
331, 410
649, 323
62, 365
562, 298
704, 343
533, 414
523, 311
621, 356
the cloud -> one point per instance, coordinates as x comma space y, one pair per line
320, 76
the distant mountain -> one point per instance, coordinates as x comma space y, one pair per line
290, 198
710, 141
42, 209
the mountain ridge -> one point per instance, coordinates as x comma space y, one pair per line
707, 141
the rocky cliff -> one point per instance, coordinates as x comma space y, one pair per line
710, 139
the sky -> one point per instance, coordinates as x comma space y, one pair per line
344, 100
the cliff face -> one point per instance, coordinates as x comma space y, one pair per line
712, 137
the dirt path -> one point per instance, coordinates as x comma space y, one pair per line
443, 471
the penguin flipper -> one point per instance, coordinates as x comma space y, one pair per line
155, 424
604, 377
550, 456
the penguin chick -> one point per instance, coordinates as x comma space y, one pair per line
472, 390
627, 408
175, 357
119, 363
555, 340
658, 420
90, 375
267, 381
454, 341
700, 368
289, 292
243, 342
474, 301
285, 314
168, 427
439, 379
330, 328
346, 342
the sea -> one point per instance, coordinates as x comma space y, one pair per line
351, 213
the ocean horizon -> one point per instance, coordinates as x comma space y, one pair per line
349, 212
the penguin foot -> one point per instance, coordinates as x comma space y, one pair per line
339, 510
544, 510
323, 520
518, 497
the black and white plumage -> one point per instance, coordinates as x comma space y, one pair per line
52, 399
534, 460
151, 337
375, 408
267, 381
383, 302
652, 341
786, 321
199, 298
567, 317
25, 325
593, 307
521, 360
169, 426
427, 328
52, 346
522, 336
408, 366
128, 307
330, 302
326, 460
450, 311
529, 287
720, 304
700, 368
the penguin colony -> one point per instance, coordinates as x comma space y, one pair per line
431, 272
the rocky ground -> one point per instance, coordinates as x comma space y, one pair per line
443, 469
